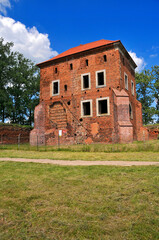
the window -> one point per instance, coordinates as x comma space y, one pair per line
100, 78
55, 87
126, 81
105, 58
123, 61
86, 108
86, 62
130, 111
132, 87
85, 81
71, 66
55, 70
65, 88
102, 105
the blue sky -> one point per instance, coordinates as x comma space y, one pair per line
41, 29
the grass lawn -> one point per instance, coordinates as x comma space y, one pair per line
77, 203
136, 151
90, 156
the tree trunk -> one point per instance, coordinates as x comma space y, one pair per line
3, 114
30, 122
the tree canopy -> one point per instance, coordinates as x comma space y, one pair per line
19, 86
147, 88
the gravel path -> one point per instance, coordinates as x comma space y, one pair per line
82, 163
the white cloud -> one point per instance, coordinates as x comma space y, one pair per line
29, 41
140, 62
153, 55
3, 5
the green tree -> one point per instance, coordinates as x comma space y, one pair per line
19, 86
24, 90
7, 58
144, 86
155, 77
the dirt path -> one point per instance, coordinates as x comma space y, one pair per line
82, 163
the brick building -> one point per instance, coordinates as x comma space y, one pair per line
87, 94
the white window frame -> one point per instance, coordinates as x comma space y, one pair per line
104, 85
97, 106
91, 112
58, 81
126, 85
82, 75
132, 88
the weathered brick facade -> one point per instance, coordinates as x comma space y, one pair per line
88, 92
11, 134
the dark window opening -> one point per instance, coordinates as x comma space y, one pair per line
55, 70
100, 77
71, 66
68, 102
105, 58
130, 111
86, 81
81, 119
132, 88
86, 62
102, 107
65, 87
86, 109
55, 88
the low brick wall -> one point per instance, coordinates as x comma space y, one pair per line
153, 133
10, 134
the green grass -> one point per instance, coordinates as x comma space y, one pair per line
87, 156
136, 151
78, 203
148, 146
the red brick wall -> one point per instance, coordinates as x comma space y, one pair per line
74, 94
85, 129
9, 134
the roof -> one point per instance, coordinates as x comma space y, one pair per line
81, 48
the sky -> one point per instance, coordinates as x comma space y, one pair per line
42, 29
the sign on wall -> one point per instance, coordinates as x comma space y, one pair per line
60, 133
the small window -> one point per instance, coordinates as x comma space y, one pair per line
126, 81
130, 111
100, 78
65, 88
71, 66
85, 81
86, 108
102, 106
55, 70
55, 88
132, 87
105, 58
86, 62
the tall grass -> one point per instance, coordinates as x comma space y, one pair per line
148, 146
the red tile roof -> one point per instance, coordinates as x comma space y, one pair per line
82, 48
